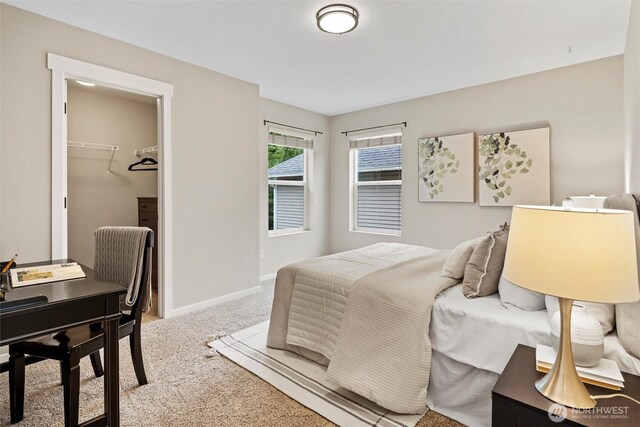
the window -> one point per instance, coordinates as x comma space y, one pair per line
288, 158
376, 171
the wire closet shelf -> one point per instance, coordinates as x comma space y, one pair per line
94, 146
151, 152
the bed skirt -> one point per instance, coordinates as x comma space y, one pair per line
460, 391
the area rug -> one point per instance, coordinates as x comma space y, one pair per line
304, 381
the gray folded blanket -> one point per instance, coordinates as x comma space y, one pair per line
118, 258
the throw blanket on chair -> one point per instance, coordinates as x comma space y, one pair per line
119, 258
383, 352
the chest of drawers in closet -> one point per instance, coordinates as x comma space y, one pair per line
148, 217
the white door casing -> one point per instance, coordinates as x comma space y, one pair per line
66, 68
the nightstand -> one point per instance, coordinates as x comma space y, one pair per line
148, 217
516, 402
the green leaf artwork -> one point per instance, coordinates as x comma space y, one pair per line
437, 161
502, 160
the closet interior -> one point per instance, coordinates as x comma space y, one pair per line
112, 138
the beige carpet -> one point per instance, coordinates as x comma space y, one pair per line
152, 314
186, 388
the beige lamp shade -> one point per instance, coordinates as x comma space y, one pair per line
580, 254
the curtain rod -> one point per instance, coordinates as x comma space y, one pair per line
347, 132
315, 132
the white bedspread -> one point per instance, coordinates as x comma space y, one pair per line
481, 332
473, 340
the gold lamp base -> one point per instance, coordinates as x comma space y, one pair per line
562, 384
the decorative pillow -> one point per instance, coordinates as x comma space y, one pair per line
457, 261
605, 313
628, 327
514, 296
628, 315
482, 273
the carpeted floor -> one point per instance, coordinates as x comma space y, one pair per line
152, 314
186, 388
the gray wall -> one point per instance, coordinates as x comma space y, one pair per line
95, 196
632, 101
215, 161
581, 103
285, 249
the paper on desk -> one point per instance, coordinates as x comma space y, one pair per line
45, 273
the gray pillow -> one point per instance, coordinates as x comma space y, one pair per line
457, 261
482, 273
513, 296
628, 327
605, 313
628, 315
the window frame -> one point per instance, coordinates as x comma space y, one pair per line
283, 182
353, 192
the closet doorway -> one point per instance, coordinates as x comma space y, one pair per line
112, 167
104, 121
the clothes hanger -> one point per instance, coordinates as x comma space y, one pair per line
147, 161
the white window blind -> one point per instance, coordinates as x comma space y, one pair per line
379, 207
288, 207
279, 136
375, 142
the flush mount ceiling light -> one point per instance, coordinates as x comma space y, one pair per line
85, 83
337, 18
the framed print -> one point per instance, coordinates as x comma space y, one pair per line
446, 168
514, 168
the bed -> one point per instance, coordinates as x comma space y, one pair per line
468, 342
365, 314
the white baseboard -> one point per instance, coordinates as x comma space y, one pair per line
213, 301
268, 277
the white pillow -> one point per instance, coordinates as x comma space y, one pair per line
459, 257
514, 296
605, 313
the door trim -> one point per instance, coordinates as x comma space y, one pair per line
66, 68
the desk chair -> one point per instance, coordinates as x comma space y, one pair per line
70, 346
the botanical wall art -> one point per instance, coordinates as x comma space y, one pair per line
446, 168
514, 168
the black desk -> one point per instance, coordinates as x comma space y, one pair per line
72, 303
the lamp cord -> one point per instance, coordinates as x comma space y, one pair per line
609, 396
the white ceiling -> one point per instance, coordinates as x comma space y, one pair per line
400, 50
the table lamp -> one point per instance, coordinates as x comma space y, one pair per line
573, 254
